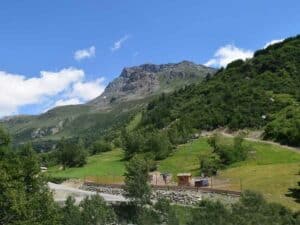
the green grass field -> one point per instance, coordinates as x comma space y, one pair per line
272, 170
108, 167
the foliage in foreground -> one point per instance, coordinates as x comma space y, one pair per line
251, 209
24, 196
136, 181
25, 200
92, 210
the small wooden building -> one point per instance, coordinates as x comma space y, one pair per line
184, 179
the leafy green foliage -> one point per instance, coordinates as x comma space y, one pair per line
244, 95
285, 128
167, 214
71, 213
154, 142
209, 164
252, 209
24, 197
4, 138
96, 211
136, 181
133, 143
159, 145
72, 154
101, 146
92, 210
229, 154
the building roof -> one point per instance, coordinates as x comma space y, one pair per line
184, 175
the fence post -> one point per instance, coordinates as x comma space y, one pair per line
241, 185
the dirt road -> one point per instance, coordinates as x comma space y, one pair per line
61, 192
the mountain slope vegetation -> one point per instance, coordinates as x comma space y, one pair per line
120, 101
256, 93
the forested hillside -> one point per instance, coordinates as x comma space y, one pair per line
262, 92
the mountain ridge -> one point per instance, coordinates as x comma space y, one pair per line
137, 82
130, 91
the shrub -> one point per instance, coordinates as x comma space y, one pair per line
101, 146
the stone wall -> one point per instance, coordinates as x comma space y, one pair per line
180, 196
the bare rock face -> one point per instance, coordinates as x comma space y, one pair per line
148, 79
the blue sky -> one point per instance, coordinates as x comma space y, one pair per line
82, 45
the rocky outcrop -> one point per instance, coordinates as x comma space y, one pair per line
139, 82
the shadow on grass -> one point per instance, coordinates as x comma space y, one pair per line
294, 193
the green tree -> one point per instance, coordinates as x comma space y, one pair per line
166, 213
24, 196
71, 213
229, 153
159, 144
133, 143
96, 211
30, 168
72, 154
209, 164
160, 213
137, 187
254, 209
251, 209
4, 138
211, 213
101, 146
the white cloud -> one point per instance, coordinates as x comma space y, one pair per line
85, 53
17, 90
118, 44
67, 84
88, 90
273, 42
227, 54
71, 101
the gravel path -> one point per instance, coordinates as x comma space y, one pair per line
264, 141
61, 192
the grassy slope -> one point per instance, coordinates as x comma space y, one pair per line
107, 166
272, 171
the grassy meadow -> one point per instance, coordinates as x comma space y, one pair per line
270, 169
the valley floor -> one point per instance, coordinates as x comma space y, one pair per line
272, 170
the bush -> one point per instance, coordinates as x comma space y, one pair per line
285, 128
133, 142
101, 146
159, 144
209, 164
136, 181
229, 153
72, 155
96, 211
251, 209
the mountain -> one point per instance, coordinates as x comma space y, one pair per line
259, 93
146, 80
121, 99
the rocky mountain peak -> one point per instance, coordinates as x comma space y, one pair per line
138, 82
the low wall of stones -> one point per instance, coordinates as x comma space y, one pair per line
177, 196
